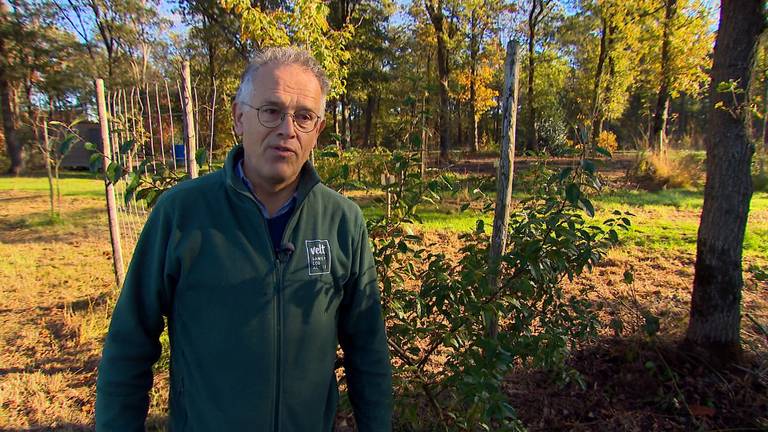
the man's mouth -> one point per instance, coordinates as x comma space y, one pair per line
282, 150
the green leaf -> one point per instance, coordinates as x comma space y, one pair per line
201, 156
127, 146
66, 144
617, 325
652, 323
603, 152
95, 162
629, 277
114, 172
588, 166
572, 193
565, 173
587, 206
90, 146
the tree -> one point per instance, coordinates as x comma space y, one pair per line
7, 97
305, 24
482, 26
537, 14
680, 65
437, 17
715, 307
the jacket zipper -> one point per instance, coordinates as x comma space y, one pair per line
278, 309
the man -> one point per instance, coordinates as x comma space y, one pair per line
260, 270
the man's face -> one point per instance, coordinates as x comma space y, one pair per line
274, 156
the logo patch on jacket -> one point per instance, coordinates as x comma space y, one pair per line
318, 256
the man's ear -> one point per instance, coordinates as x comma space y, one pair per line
237, 119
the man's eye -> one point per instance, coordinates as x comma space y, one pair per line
270, 110
304, 116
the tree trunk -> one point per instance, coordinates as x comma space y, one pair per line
596, 111
473, 53
12, 144
659, 128
370, 106
533, 17
346, 134
715, 307
435, 12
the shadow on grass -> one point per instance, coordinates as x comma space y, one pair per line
38, 227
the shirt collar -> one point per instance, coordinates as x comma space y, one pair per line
285, 208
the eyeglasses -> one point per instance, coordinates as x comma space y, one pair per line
271, 116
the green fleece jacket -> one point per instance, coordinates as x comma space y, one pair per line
253, 333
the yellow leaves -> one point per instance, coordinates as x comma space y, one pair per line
304, 24
485, 96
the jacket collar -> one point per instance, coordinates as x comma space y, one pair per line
308, 177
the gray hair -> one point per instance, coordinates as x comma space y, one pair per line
282, 56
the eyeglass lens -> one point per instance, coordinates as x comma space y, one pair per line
271, 117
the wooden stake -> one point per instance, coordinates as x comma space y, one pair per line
160, 124
114, 230
211, 128
506, 171
170, 117
149, 122
189, 121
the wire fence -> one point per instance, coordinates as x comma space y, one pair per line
150, 127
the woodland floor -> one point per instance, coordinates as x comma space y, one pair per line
56, 291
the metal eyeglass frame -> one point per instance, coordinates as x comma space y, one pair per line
283, 114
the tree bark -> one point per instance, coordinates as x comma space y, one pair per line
596, 111
346, 134
435, 12
12, 144
714, 325
659, 128
537, 9
370, 106
474, 48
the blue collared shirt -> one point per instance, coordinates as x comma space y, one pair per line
287, 207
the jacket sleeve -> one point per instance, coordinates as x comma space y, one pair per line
362, 337
132, 345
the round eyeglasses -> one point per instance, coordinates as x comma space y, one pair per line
271, 116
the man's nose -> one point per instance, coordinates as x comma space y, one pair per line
287, 127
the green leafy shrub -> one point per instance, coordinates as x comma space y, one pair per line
352, 168
438, 311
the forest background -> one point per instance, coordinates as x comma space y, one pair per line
628, 70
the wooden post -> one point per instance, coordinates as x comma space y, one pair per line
211, 128
424, 154
170, 117
114, 230
187, 102
189, 121
506, 171
149, 122
160, 123
47, 145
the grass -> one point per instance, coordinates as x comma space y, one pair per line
83, 184
667, 220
